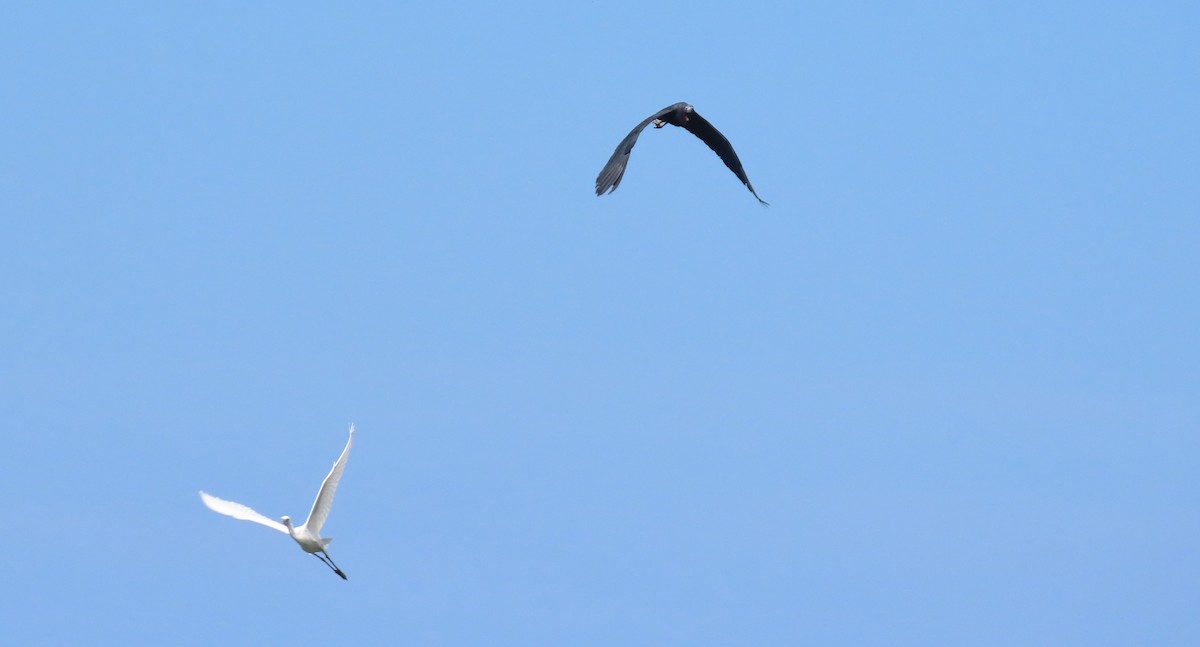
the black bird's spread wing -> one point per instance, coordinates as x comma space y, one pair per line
610, 175
708, 134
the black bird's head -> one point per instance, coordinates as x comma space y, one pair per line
681, 113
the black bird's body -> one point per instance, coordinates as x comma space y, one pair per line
681, 114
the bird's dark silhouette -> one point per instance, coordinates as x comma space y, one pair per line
680, 114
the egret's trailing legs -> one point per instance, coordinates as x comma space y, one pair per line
324, 557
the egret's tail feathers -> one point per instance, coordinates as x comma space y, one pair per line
325, 541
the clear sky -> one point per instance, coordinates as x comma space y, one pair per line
944, 391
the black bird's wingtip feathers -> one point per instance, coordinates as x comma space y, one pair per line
755, 194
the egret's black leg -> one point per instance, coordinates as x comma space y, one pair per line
329, 562
335, 568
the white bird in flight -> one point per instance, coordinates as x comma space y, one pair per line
307, 535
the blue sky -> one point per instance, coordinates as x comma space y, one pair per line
942, 392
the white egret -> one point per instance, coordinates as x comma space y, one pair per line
307, 535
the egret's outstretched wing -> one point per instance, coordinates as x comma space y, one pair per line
610, 175
320, 508
239, 511
708, 134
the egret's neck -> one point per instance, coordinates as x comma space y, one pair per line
291, 531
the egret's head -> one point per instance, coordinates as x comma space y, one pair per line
287, 521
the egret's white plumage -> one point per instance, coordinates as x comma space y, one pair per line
307, 535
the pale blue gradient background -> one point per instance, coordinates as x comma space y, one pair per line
943, 392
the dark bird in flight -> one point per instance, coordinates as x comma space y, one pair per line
679, 114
